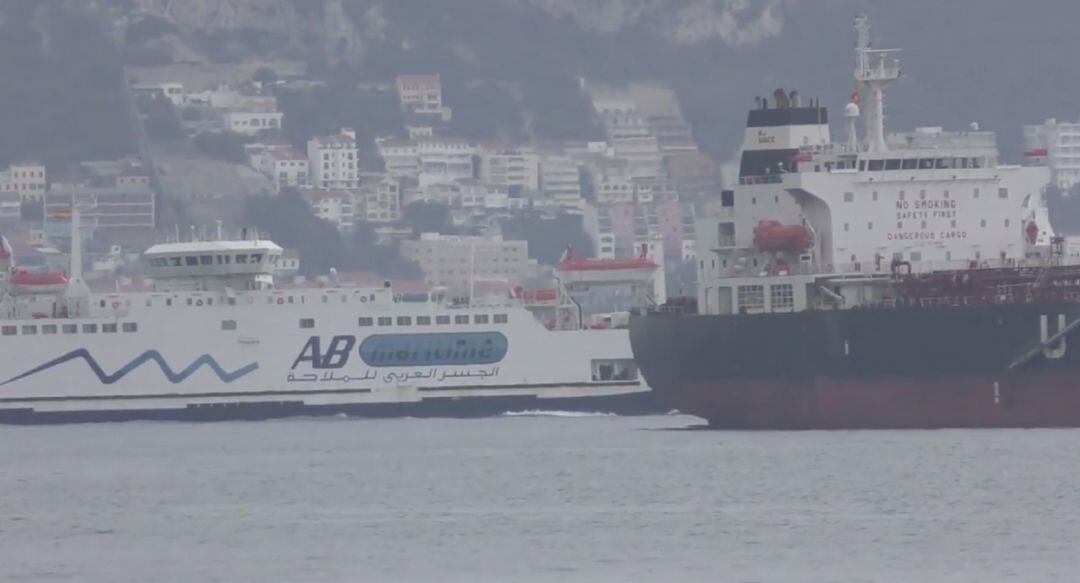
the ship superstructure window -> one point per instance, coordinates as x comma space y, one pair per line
976, 193
307, 322
206, 259
501, 318
1003, 193
48, 329
8, 330
366, 321
874, 196
480, 319
922, 194
109, 328
909, 164
751, 298
29, 330
241, 258
461, 319
386, 321
69, 328
849, 197
916, 255
191, 261
423, 320
876, 165
404, 321
782, 296
901, 195
442, 320
892, 164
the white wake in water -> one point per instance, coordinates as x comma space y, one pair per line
543, 413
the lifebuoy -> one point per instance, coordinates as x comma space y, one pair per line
115, 304
198, 302
363, 299
280, 301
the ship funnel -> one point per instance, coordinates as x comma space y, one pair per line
796, 101
781, 99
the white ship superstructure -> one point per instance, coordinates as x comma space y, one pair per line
216, 339
810, 214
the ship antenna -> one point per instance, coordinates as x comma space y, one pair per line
874, 69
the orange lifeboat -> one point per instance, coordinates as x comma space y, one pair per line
774, 236
25, 282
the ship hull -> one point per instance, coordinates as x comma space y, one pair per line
637, 403
867, 369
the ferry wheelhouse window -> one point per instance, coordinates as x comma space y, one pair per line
892, 164
782, 296
442, 320
877, 165
365, 321
228, 324
386, 321
69, 328
256, 257
176, 261
48, 329
461, 319
480, 319
909, 164
8, 330
241, 258
404, 321
501, 318
191, 261
206, 259
307, 322
423, 320
29, 329
129, 327
751, 298
108, 328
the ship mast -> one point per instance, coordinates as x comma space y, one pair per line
874, 69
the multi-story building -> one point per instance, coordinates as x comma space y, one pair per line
444, 160
560, 178
422, 94
334, 161
380, 202
642, 155
1058, 146
27, 180
514, 168
112, 206
174, 92
614, 189
285, 166
456, 262
400, 156
250, 122
335, 206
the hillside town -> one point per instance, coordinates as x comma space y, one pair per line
216, 144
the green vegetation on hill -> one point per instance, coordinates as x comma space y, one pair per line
63, 101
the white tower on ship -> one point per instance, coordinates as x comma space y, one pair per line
874, 69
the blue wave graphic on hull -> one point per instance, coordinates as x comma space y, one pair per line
150, 355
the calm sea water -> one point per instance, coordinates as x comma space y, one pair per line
534, 499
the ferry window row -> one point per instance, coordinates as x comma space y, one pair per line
47, 329
210, 259
439, 320
1003, 193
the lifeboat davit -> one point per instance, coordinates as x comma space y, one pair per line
24, 282
774, 236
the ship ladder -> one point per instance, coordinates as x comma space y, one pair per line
1029, 355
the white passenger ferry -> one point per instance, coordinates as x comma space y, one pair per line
216, 339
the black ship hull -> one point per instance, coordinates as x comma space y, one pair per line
992, 366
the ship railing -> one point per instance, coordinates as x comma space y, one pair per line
761, 179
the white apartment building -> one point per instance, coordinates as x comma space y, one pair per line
174, 92
512, 168
422, 94
380, 202
444, 160
560, 178
401, 157
456, 261
642, 155
285, 166
334, 161
25, 179
1058, 146
251, 122
614, 189
335, 206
